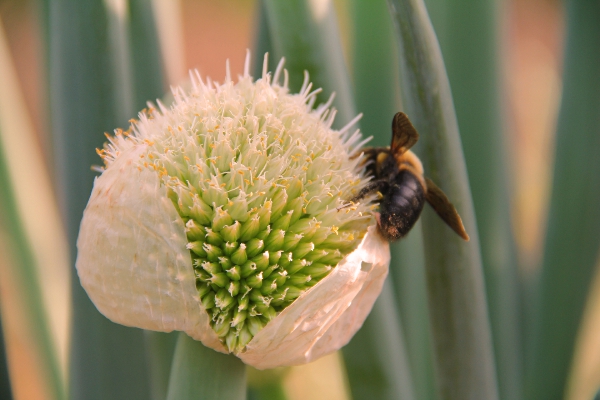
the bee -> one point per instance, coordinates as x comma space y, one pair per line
398, 176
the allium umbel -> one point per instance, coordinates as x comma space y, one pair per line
225, 216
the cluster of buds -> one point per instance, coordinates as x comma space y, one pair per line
224, 215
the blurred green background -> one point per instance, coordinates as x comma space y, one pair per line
527, 69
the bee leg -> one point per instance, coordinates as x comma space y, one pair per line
371, 187
374, 186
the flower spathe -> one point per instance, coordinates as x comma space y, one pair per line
224, 216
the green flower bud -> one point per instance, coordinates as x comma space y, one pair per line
248, 268
234, 288
221, 219
243, 302
254, 246
244, 337
200, 211
239, 256
202, 288
238, 317
225, 263
254, 325
275, 240
302, 249
283, 222
234, 273
317, 270
269, 285
279, 201
264, 233
198, 248
255, 281
212, 252
211, 267
296, 266
194, 231
223, 299
231, 233
291, 240
208, 301
222, 327
230, 247
250, 228
238, 208
264, 215
274, 256
220, 279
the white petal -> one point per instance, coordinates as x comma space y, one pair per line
326, 317
132, 258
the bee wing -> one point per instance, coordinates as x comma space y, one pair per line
404, 134
442, 206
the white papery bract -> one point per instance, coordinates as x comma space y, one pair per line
226, 216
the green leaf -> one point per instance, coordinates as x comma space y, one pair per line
408, 273
147, 68
468, 34
5, 389
374, 60
21, 259
262, 42
202, 373
306, 34
573, 233
461, 334
91, 92
13, 233
376, 358
267, 384
374, 65
160, 348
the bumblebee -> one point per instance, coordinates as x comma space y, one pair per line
398, 176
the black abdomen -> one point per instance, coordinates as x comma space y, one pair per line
401, 205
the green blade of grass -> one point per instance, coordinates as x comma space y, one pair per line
262, 42
13, 229
5, 389
408, 273
271, 391
306, 34
202, 373
573, 233
376, 359
374, 59
148, 76
267, 384
24, 270
91, 92
160, 348
463, 353
468, 34
374, 62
